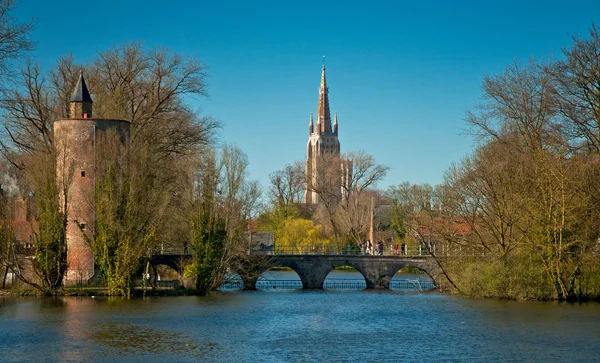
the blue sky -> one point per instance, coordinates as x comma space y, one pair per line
400, 74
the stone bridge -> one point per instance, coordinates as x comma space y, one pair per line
378, 271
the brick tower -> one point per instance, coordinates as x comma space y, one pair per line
75, 145
322, 141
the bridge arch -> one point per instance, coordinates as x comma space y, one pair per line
250, 278
427, 266
176, 262
413, 277
357, 267
279, 277
346, 280
421, 269
232, 281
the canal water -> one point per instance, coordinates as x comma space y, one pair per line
298, 326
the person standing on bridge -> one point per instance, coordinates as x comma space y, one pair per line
396, 249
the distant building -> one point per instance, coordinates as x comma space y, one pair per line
261, 242
323, 152
23, 224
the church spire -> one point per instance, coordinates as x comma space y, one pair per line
323, 113
311, 126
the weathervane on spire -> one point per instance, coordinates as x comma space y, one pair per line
323, 61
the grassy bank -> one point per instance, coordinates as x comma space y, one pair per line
515, 279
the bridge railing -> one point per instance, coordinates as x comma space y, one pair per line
344, 284
410, 251
267, 284
348, 250
171, 250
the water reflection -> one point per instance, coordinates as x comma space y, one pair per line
129, 339
411, 282
231, 282
279, 279
345, 278
73, 314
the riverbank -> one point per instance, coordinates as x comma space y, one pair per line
94, 291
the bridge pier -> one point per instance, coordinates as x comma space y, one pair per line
249, 281
377, 276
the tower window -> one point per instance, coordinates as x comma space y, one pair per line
82, 226
83, 174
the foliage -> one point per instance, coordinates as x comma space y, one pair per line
129, 206
299, 234
207, 232
223, 202
50, 262
516, 278
7, 246
50, 240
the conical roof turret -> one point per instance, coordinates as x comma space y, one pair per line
81, 92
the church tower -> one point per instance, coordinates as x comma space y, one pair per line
75, 144
322, 143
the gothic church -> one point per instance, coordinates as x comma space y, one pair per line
324, 147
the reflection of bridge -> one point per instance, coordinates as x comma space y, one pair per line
378, 271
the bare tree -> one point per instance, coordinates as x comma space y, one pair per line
130, 208
46, 271
490, 192
577, 79
28, 115
287, 186
521, 101
223, 202
341, 186
14, 38
146, 88
522, 193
